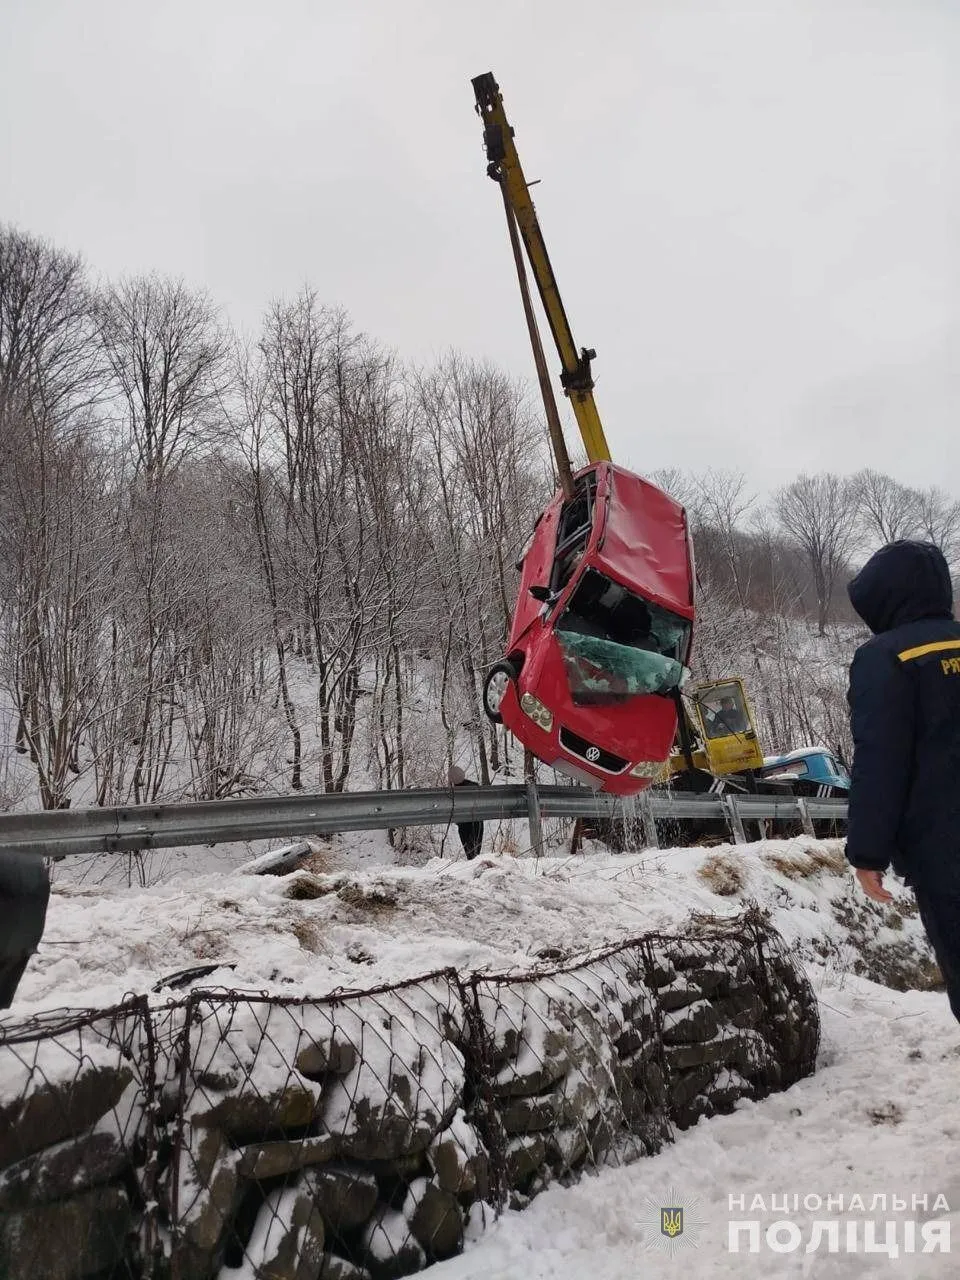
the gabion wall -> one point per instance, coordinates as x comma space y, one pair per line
361, 1134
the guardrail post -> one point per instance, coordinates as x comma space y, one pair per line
533, 815
805, 820
734, 819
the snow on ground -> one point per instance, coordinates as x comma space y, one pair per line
178, 865
880, 1115
379, 923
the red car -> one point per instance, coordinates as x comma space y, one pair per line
601, 632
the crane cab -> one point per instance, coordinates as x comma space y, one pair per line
726, 726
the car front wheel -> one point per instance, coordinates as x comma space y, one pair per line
499, 677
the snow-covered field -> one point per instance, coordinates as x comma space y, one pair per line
879, 1116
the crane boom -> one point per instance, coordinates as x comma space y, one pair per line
504, 167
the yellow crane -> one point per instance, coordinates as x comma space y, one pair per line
717, 733
503, 165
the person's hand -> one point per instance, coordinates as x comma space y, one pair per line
871, 882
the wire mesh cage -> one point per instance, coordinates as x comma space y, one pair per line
325, 1137
77, 1153
366, 1134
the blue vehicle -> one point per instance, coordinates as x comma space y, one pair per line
809, 771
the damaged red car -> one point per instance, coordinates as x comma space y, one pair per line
601, 633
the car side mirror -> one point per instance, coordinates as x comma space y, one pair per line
541, 593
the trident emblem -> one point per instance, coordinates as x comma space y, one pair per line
671, 1222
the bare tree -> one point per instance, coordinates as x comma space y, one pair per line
889, 510
819, 513
263, 497
160, 584
166, 354
393, 488
48, 364
770, 629
939, 520
722, 503
56, 531
228, 726
488, 483
317, 380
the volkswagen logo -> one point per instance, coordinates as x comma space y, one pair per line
593, 754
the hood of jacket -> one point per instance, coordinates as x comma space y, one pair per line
902, 582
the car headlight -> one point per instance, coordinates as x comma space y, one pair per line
534, 709
648, 768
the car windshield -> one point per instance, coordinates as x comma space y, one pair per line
792, 769
616, 645
722, 710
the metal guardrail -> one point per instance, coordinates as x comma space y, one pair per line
63, 832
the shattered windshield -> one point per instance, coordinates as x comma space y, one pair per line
616, 645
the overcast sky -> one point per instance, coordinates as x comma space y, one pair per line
752, 209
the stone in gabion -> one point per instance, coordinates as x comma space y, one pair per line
529, 1115
287, 1241
435, 1218
333, 1267
47, 1115
685, 1086
325, 1057
64, 1170
678, 995
85, 1236
459, 1161
660, 974
743, 1010
265, 1160
678, 1057
695, 1023
250, 1116
346, 1197
711, 979
524, 1156
390, 1247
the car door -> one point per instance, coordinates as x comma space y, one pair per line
574, 527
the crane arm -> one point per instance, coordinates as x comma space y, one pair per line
504, 167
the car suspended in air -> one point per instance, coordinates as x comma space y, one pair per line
601, 632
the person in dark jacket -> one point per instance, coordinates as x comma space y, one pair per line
24, 893
905, 715
470, 833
